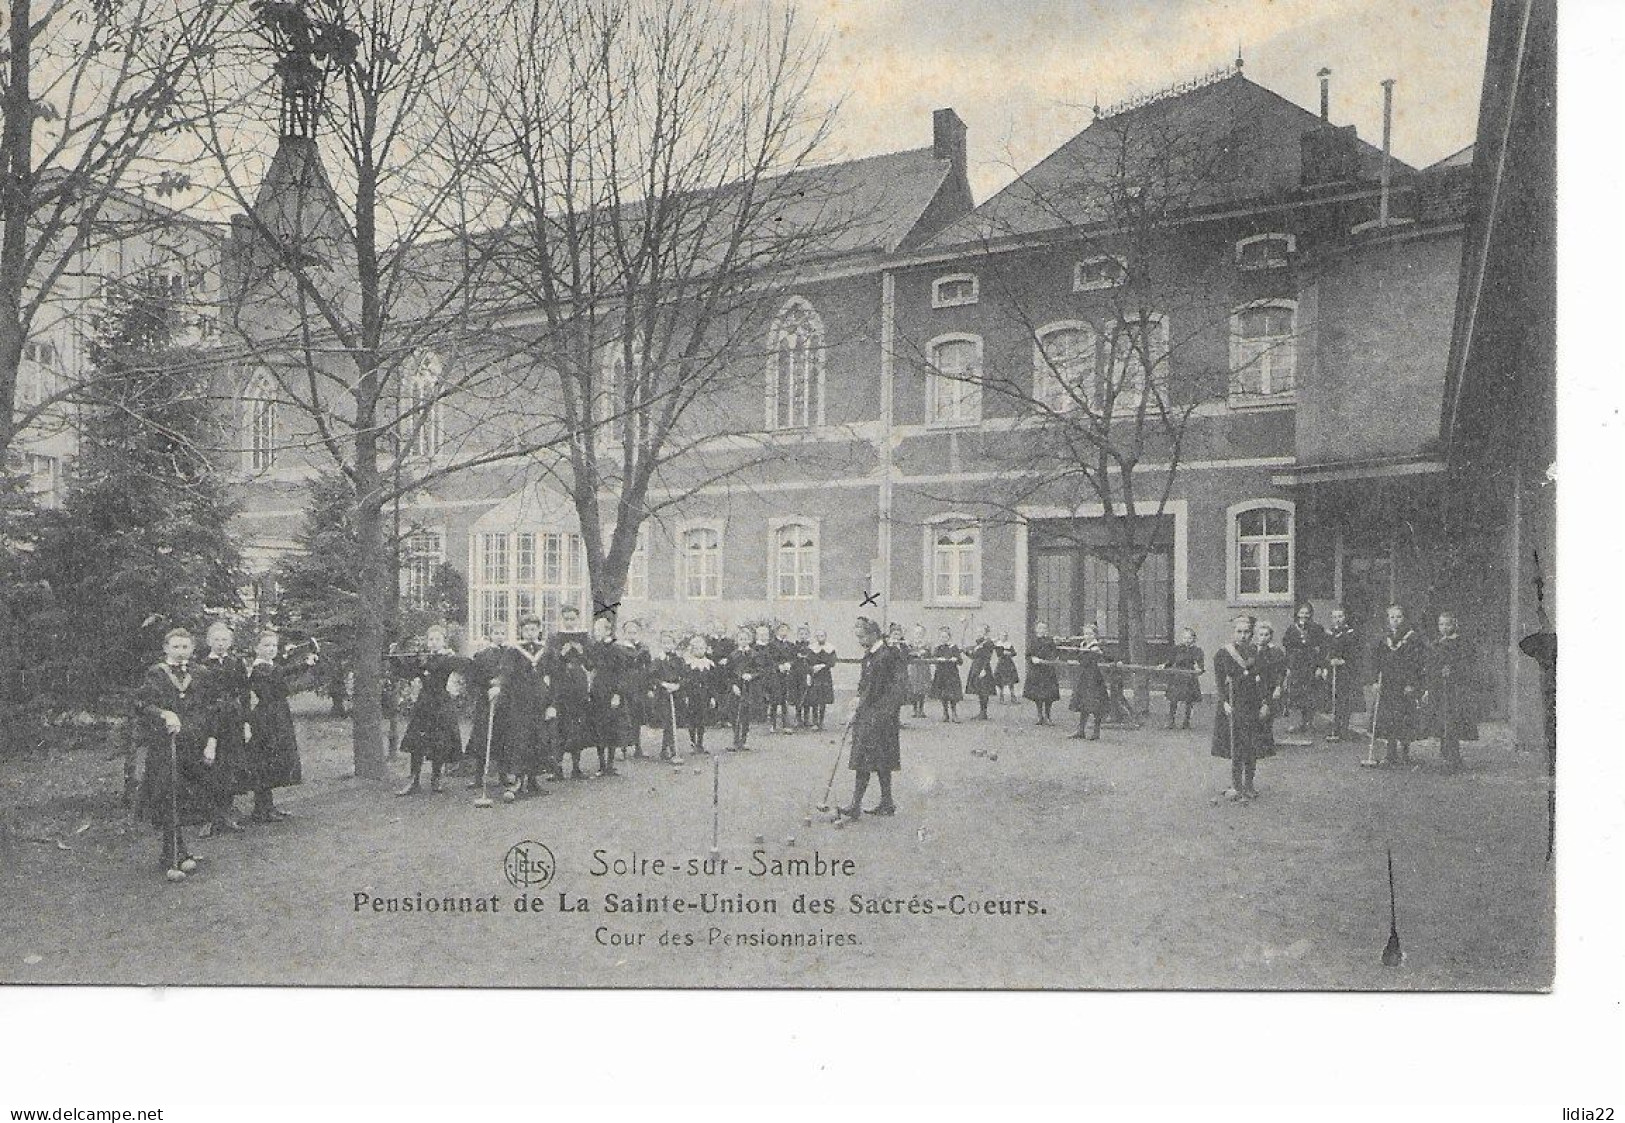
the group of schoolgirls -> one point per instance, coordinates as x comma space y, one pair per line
212, 728
933, 670
759, 677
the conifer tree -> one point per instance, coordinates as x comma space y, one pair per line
141, 545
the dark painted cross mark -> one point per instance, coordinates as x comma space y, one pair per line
870, 598
603, 609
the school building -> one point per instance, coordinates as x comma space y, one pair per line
1293, 302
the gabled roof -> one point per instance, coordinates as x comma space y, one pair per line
1226, 142
1461, 159
870, 204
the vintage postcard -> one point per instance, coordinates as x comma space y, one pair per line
603, 493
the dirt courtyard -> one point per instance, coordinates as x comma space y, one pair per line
1063, 864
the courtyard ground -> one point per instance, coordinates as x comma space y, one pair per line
1136, 875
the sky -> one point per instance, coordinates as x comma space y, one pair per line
1023, 73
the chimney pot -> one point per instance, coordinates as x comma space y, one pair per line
1325, 77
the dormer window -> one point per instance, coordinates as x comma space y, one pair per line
954, 291
1103, 272
1266, 251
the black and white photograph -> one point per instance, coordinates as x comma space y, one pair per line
756, 495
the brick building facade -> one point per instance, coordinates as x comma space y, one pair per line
1299, 301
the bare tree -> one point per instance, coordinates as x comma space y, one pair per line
95, 96
659, 160
1100, 399
353, 297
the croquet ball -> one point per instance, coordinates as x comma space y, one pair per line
175, 875
993, 756
508, 797
696, 772
840, 823
188, 865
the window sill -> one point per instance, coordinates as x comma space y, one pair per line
1257, 402
939, 304
954, 604
940, 425
1095, 286
1263, 600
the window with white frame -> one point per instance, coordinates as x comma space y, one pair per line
795, 561
44, 479
423, 552
1135, 362
523, 573
795, 368
700, 559
956, 562
954, 392
260, 422
1064, 367
1265, 251
1263, 351
954, 290
1261, 552
1103, 272
39, 378
421, 418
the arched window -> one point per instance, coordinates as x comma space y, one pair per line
1265, 251
620, 409
955, 549
953, 384
954, 290
1137, 360
1064, 367
1261, 552
1102, 272
260, 423
420, 420
795, 561
1263, 352
795, 368
700, 558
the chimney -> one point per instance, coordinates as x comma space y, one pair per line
1325, 77
1387, 148
948, 139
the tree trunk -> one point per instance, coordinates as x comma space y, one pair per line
1131, 605
371, 633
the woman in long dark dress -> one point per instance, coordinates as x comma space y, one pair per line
1184, 690
224, 676
1305, 644
1089, 695
917, 657
1450, 706
979, 676
1243, 712
695, 698
174, 715
945, 684
1043, 687
820, 679
1005, 675
432, 734
273, 748
1398, 667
